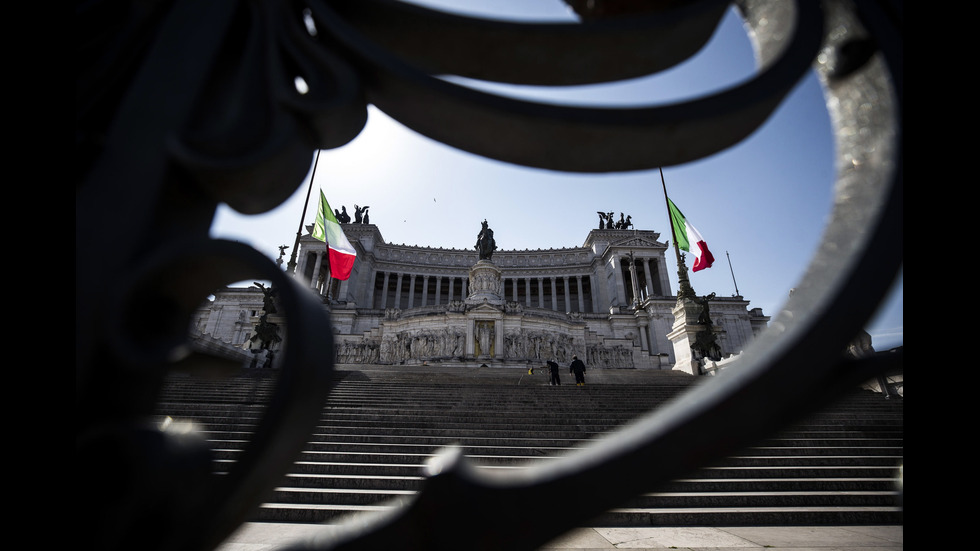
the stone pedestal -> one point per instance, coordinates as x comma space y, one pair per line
484, 307
485, 285
268, 333
267, 340
684, 334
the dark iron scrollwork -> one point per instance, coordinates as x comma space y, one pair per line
184, 104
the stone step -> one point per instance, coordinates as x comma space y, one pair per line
386, 443
339, 481
631, 517
823, 498
413, 482
522, 455
751, 516
553, 438
540, 434
379, 427
785, 484
296, 495
401, 465
538, 447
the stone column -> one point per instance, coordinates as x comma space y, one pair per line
384, 292
581, 296
554, 293
315, 278
438, 290
660, 326
213, 317
596, 296
398, 291
620, 298
343, 290
527, 291
369, 299
411, 290
567, 294
664, 281
634, 282
651, 337
425, 291
498, 340
651, 291
642, 322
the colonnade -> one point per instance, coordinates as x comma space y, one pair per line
649, 278
406, 290
566, 293
319, 279
561, 293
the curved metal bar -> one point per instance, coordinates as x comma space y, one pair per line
133, 305
252, 128
148, 331
547, 54
582, 139
126, 171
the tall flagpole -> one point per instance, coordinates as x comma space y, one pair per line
684, 284
291, 266
733, 273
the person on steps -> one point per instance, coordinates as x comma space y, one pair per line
578, 368
555, 379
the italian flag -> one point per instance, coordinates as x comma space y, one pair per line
685, 234
341, 253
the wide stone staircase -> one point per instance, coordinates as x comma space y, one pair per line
381, 424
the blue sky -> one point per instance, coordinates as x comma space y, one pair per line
761, 205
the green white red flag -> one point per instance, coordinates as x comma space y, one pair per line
689, 239
341, 253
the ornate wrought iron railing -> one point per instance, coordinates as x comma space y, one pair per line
184, 104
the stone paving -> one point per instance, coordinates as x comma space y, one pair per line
272, 536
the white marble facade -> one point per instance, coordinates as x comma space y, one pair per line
408, 304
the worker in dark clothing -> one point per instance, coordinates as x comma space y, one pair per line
578, 368
555, 379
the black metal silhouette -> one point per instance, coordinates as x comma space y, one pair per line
181, 105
